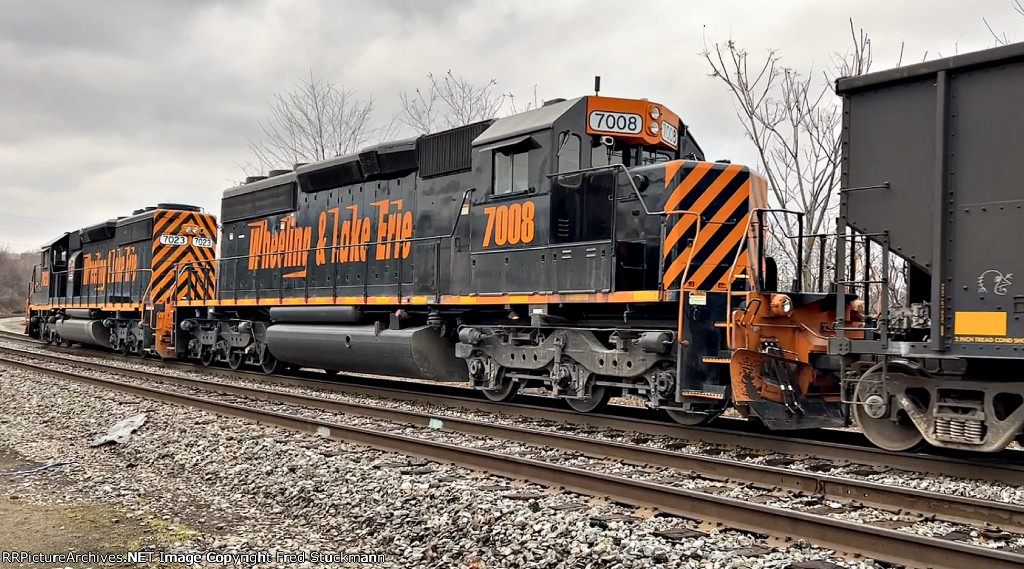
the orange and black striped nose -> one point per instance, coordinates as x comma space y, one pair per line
184, 251
720, 195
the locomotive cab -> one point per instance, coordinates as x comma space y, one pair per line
551, 192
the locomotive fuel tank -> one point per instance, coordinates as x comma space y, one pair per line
91, 332
418, 352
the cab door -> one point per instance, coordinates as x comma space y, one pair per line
508, 221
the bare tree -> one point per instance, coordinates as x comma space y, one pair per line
449, 102
535, 103
794, 121
314, 120
1002, 38
15, 274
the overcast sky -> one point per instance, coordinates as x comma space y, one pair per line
110, 106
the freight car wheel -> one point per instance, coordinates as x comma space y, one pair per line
873, 416
599, 396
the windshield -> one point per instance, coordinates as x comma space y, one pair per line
629, 155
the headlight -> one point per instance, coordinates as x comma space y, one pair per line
782, 305
655, 113
654, 128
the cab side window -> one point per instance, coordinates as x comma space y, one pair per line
569, 154
511, 172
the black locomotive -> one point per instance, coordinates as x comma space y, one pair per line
551, 248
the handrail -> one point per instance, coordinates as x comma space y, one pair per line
110, 286
208, 273
736, 259
665, 213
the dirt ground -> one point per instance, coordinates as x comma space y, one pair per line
26, 525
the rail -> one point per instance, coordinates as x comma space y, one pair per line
851, 283
843, 446
886, 544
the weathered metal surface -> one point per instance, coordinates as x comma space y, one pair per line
931, 158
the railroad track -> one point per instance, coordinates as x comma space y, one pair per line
838, 446
876, 542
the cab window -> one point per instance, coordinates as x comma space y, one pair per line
569, 154
511, 172
651, 155
601, 155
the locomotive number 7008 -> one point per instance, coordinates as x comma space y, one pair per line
509, 224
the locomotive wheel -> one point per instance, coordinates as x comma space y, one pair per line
599, 396
270, 365
690, 418
235, 359
509, 388
124, 348
872, 414
206, 357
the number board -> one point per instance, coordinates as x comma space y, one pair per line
175, 240
204, 242
621, 123
669, 134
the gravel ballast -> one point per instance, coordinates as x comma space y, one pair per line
248, 488
982, 489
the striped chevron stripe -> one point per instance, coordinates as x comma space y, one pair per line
723, 195
183, 272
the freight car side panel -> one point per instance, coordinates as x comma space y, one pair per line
987, 225
931, 160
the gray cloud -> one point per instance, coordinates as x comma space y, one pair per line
109, 106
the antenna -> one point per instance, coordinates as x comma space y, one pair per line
597, 84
